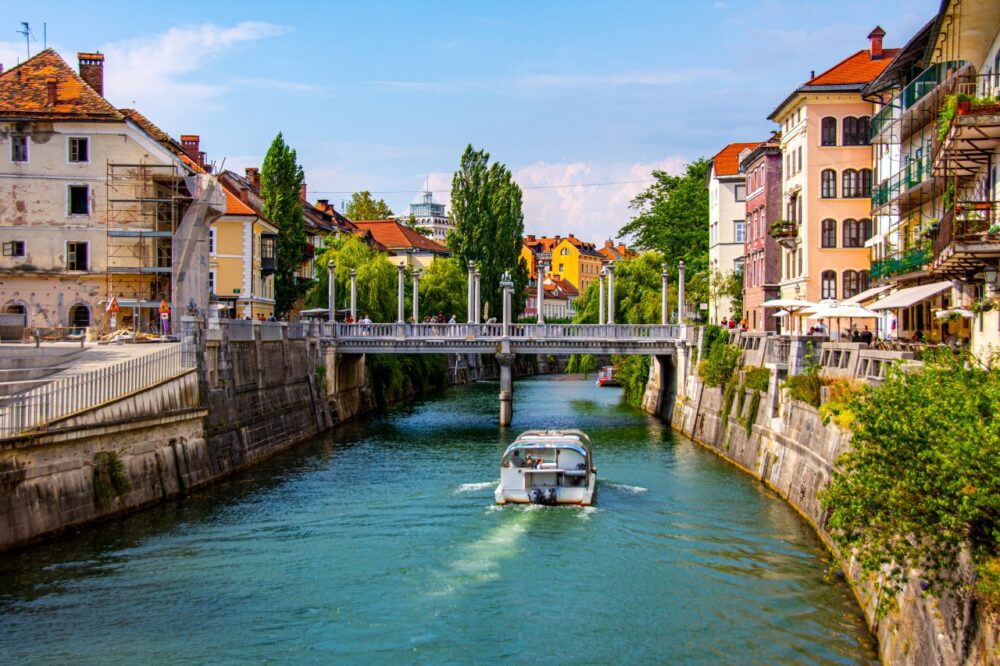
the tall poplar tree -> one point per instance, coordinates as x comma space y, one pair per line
489, 225
281, 181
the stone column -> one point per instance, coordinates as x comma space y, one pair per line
600, 304
507, 285
470, 292
478, 312
400, 288
506, 362
416, 296
331, 292
541, 293
611, 292
680, 292
664, 305
354, 295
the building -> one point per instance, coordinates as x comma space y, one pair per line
242, 259
936, 139
90, 200
569, 258
612, 252
430, 217
404, 245
726, 212
826, 172
559, 301
761, 168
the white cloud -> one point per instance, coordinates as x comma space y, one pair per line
150, 72
13, 52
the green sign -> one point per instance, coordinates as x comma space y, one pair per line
236, 291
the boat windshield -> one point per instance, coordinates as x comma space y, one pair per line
539, 455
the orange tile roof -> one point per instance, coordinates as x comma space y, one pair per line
396, 236
24, 92
147, 126
235, 205
727, 160
857, 68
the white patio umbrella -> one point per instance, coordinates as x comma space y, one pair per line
838, 311
790, 305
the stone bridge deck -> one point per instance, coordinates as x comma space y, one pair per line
653, 339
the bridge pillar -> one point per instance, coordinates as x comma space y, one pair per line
611, 292
331, 292
506, 362
400, 289
416, 296
664, 306
354, 295
478, 311
470, 307
600, 300
680, 292
540, 283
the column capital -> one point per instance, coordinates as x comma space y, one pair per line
354, 272
331, 264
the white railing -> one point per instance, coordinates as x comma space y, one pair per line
33, 409
494, 331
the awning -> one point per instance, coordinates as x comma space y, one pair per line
904, 298
867, 294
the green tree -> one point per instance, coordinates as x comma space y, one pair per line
489, 225
363, 206
411, 222
376, 278
281, 181
443, 288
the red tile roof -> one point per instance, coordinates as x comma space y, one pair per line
727, 160
234, 205
613, 252
147, 126
24, 92
858, 68
396, 236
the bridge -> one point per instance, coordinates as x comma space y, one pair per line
505, 339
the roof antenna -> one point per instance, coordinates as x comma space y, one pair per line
45, 35
26, 31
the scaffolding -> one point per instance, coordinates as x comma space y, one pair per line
144, 207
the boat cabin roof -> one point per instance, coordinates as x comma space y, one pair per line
553, 439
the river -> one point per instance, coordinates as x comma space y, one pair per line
381, 543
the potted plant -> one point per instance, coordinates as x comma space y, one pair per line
981, 306
783, 229
963, 104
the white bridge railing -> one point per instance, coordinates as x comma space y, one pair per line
494, 331
22, 412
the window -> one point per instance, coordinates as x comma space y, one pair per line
19, 149
829, 233
79, 316
562, 267
76, 256
564, 251
79, 200
79, 149
828, 184
211, 240
850, 284
13, 248
801, 265
865, 183
867, 230
800, 158
852, 233
864, 281
211, 281
828, 285
828, 132
740, 192
739, 231
857, 131
798, 210
864, 130
849, 188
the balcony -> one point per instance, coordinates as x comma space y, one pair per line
914, 99
967, 239
969, 128
268, 251
899, 263
905, 188
785, 232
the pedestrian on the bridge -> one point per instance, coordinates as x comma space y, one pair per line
350, 319
453, 320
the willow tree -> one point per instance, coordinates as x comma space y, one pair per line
489, 225
281, 180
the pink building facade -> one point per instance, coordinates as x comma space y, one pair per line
761, 252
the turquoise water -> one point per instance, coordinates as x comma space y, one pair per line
381, 544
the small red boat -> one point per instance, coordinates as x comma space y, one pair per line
606, 376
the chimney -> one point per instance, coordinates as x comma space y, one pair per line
253, 177
608, 243
323, 204
50, 88
530, 238
244, 195
875, 41
92, 70
1, 68
302, 193
189, 142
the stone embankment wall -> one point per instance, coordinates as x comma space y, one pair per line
788, 448
253, 390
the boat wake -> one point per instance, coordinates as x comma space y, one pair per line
624, 488
471, 487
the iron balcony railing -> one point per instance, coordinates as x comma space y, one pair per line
914, 91
915, 172
900, 263
968, 221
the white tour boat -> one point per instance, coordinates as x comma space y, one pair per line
548, 467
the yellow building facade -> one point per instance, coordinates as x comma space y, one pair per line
242, 260
571, 259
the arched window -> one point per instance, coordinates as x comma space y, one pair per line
850, 288
867, 230
828, 184
79, 316
864, 281
864, 130
829, 234
828, 131
852, 233
849, 188
851, 131
865, 183
828, 284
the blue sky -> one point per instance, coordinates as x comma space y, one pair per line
377, 95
